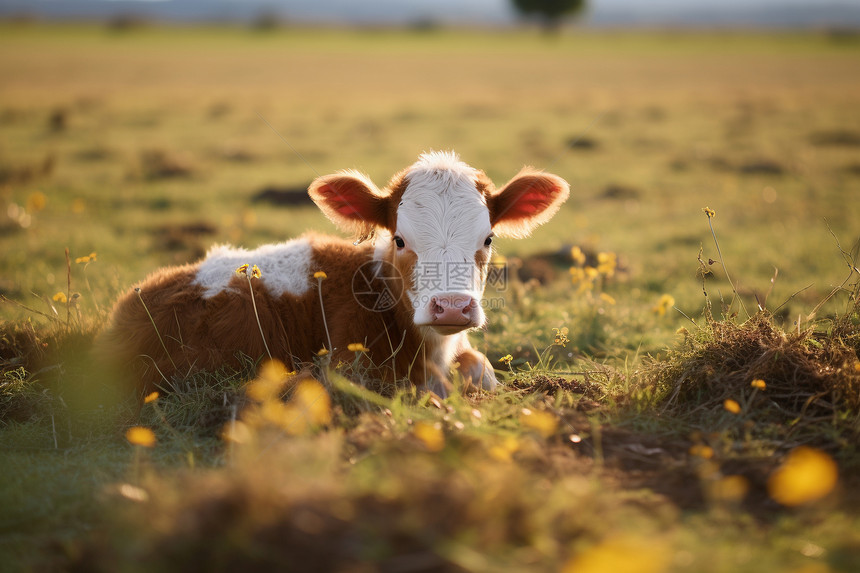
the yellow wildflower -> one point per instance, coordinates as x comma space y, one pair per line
666, 302
622, 554
591, 273
140, 436
543, 422
732, 406
606, 263
561, 338
709, 212
758, 384
607, 299
269, 382
806, 475
357, 347
506, 359
60, 297
36, 201
320, 275
87, 259
730, 488
322, 351
312, 399
238, 432
702, 451
577, 255
504, 450
252, 272
150, 398
430, 434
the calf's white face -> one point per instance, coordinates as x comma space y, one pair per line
435, 222
443, 227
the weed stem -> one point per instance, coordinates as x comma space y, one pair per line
155, 326
257, 316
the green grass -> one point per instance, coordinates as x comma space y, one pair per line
757, 127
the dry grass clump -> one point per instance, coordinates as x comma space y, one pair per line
28, 172
787, 377
161, 164
299, 505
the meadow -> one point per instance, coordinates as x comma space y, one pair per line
681, 387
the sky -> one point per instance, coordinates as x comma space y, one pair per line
488, 12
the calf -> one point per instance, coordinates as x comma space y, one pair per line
409, 296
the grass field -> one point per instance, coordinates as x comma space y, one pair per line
639, 445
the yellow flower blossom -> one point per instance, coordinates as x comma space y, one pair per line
505, 449
506, 359
759, 384
322, 352
622, 555
709, 212
577, 255
607, 299
36, 201
607, 263
430, 434
150, 398
357, 347
87, 259
320, 275
269, 382
702, 451
60, 297
313, 401
543, 423
666, 302
561, 338
806, 475
238, 432
140, 436
308, 409
732, 406
247, 270
731, 488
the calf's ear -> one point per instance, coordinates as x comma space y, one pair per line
351, 201
530, 199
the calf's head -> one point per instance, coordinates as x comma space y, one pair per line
435, 222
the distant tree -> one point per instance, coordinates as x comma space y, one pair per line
550, 12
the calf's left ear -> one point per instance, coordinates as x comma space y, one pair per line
351, 201
530, 199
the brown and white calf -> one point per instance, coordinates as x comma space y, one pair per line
409, 296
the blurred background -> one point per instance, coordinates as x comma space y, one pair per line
596, 13
145, 131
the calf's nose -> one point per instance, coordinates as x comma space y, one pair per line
451, 310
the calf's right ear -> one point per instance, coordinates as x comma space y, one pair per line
351, 201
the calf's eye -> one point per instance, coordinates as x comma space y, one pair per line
488, 241
399, 242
